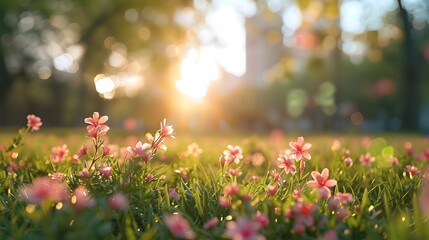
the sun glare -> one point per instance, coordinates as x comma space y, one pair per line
198, 69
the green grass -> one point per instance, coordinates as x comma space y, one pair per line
385, 206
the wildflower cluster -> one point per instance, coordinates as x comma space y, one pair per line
255, 193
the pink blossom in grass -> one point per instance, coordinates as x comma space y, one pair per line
344, 198
106, 151
59, 153
298, 228
224, 202
58, 177
257, 159
193, 150
255, 178
277, 177
43, 189
34, 122
95, 132
12, 167
96, 120
333, 204
243, 229
83, 151
412, 170
75, 159
148, 178
140, 150
211, 223
84, 173
303, 213
173, 194
366, 159
247, 197
231, 190
119, 201
408, 148
343, 213
272, 190
297, 193
345, 153
234, 172
394, 160
262, 219
105, 170
179, 226
300, 149
348, 162
287, 163
81, 199
330, 235
233, 154
166, 130
321, 182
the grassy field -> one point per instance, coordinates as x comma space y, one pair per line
355, 186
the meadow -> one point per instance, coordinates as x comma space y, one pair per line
96, 182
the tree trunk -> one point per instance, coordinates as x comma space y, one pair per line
410, 83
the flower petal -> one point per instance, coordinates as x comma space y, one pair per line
312, 184
331, 183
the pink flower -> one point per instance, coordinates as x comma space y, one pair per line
119, 201
43, 189
300, 149
303, 213
96, 120
233, 154
344, 198
59, 153
262, 219
348, 162
257, 159
194, 150
243, 229
394, 160
83, 151
287, 163
84, 173
277, 177
224, 202
330, 235
231, 189
34, 122
272, 190
179, 226
173, 194
58, 177
412, 170
12, 167
97, 131
96, 125
322, 182
211, 223
255, 178
106, 150
81, 199
166, 130
140, 150
149, 177
366, 160
234, 172
343, 213
105, 170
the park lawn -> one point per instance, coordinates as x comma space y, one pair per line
174, 193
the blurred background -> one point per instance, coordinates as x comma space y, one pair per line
219, 65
